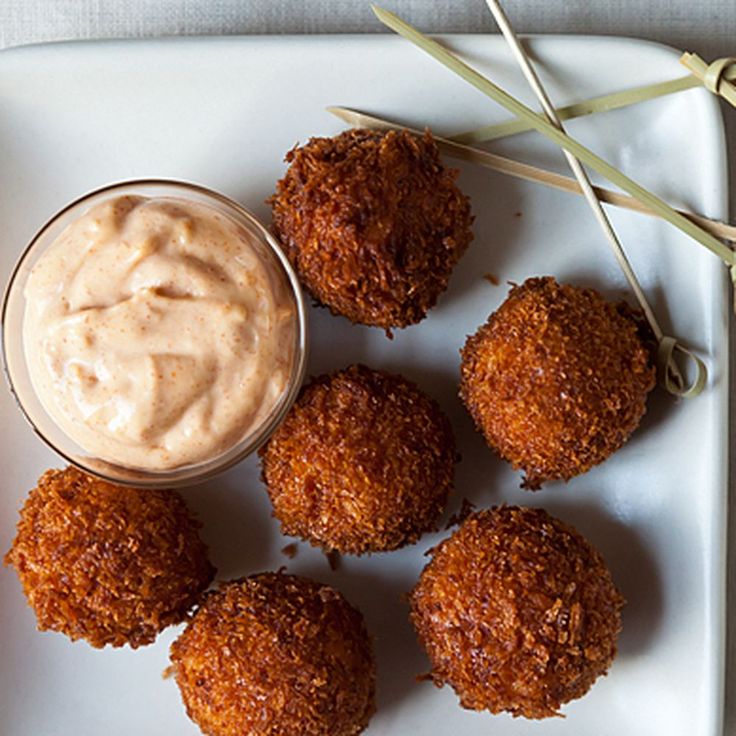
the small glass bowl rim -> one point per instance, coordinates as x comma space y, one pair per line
186, 475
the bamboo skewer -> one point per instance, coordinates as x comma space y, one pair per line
604, 103
717, 77
669, 373
587, 156
527, 172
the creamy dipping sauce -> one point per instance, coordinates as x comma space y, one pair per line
157, 333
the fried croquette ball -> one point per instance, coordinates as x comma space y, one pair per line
373, 224
556, 380
517, 612
106, 563
363, 462
276, 655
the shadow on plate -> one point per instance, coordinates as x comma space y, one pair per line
335, 342
498, 205
383, 602
632, 566
237, 524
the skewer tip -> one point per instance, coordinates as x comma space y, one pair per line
341, 112
385, 16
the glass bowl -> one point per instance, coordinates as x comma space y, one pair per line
17, 372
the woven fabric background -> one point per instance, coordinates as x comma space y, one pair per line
705, 26
708, 25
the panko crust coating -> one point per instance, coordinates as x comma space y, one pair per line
517, 612
363, 462
556, 379
373, 224
106, 563
276, 655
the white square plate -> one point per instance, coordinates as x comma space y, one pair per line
223, 112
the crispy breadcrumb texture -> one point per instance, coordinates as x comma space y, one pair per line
363, 462
373, 223
517, 612
105, 563
277, 655
557, 379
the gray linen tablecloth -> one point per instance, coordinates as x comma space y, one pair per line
705, 26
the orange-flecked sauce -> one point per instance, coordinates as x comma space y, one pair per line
155, 332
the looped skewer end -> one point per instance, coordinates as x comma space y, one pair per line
669, 375
715, 73
717, 77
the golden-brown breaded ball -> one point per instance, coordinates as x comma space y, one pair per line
373, 223
517, 612
276, 655
557, 379
109, 564
363, 462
